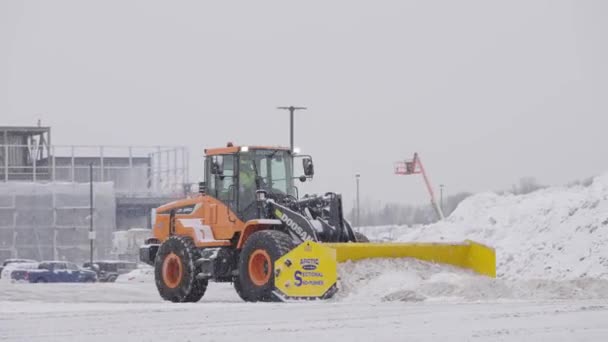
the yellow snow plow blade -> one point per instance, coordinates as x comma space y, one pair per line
469, 254
310, 270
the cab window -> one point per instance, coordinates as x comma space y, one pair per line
221, 185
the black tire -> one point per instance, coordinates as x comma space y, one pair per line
275, 244
360, 237
237, 287
183, 286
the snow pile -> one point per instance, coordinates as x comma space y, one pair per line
142, 274
556, 233
410, 280
550, 244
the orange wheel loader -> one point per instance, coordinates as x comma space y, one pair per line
247, 216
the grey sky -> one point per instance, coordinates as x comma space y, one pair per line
486, 91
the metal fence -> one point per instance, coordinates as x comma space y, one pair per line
136, 171
51, 221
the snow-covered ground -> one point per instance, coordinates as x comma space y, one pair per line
133, 312
552, 285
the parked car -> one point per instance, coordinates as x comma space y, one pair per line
10, 268
54, 272
109, 270
13, 261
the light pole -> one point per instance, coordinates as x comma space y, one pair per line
357, 177
291, 110
91, 231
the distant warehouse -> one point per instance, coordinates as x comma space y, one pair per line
44, 192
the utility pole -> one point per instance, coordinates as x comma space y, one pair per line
357, 176
291, 110
91, 232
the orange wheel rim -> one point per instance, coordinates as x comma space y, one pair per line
172, 270
260, 267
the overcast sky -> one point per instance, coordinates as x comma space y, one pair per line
486, 91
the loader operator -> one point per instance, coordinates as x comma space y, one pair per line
247, 187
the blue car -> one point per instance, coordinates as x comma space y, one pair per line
54, 272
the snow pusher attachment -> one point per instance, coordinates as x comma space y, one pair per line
309, 271
469, 254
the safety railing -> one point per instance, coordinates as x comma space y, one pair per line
136, 171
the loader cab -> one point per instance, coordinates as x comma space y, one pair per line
234, 174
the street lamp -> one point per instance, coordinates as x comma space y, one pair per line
291, 110
357, 177
91, 231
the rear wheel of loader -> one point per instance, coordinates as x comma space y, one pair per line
256, 264
175, 273
360, 237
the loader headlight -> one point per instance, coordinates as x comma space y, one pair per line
244, 148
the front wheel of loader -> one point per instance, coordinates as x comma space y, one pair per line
256, 264
175, 272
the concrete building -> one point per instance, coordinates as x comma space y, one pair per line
44, 200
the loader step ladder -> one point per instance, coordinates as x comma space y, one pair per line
414, 167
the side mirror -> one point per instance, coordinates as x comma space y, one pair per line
309, 169
202, 187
